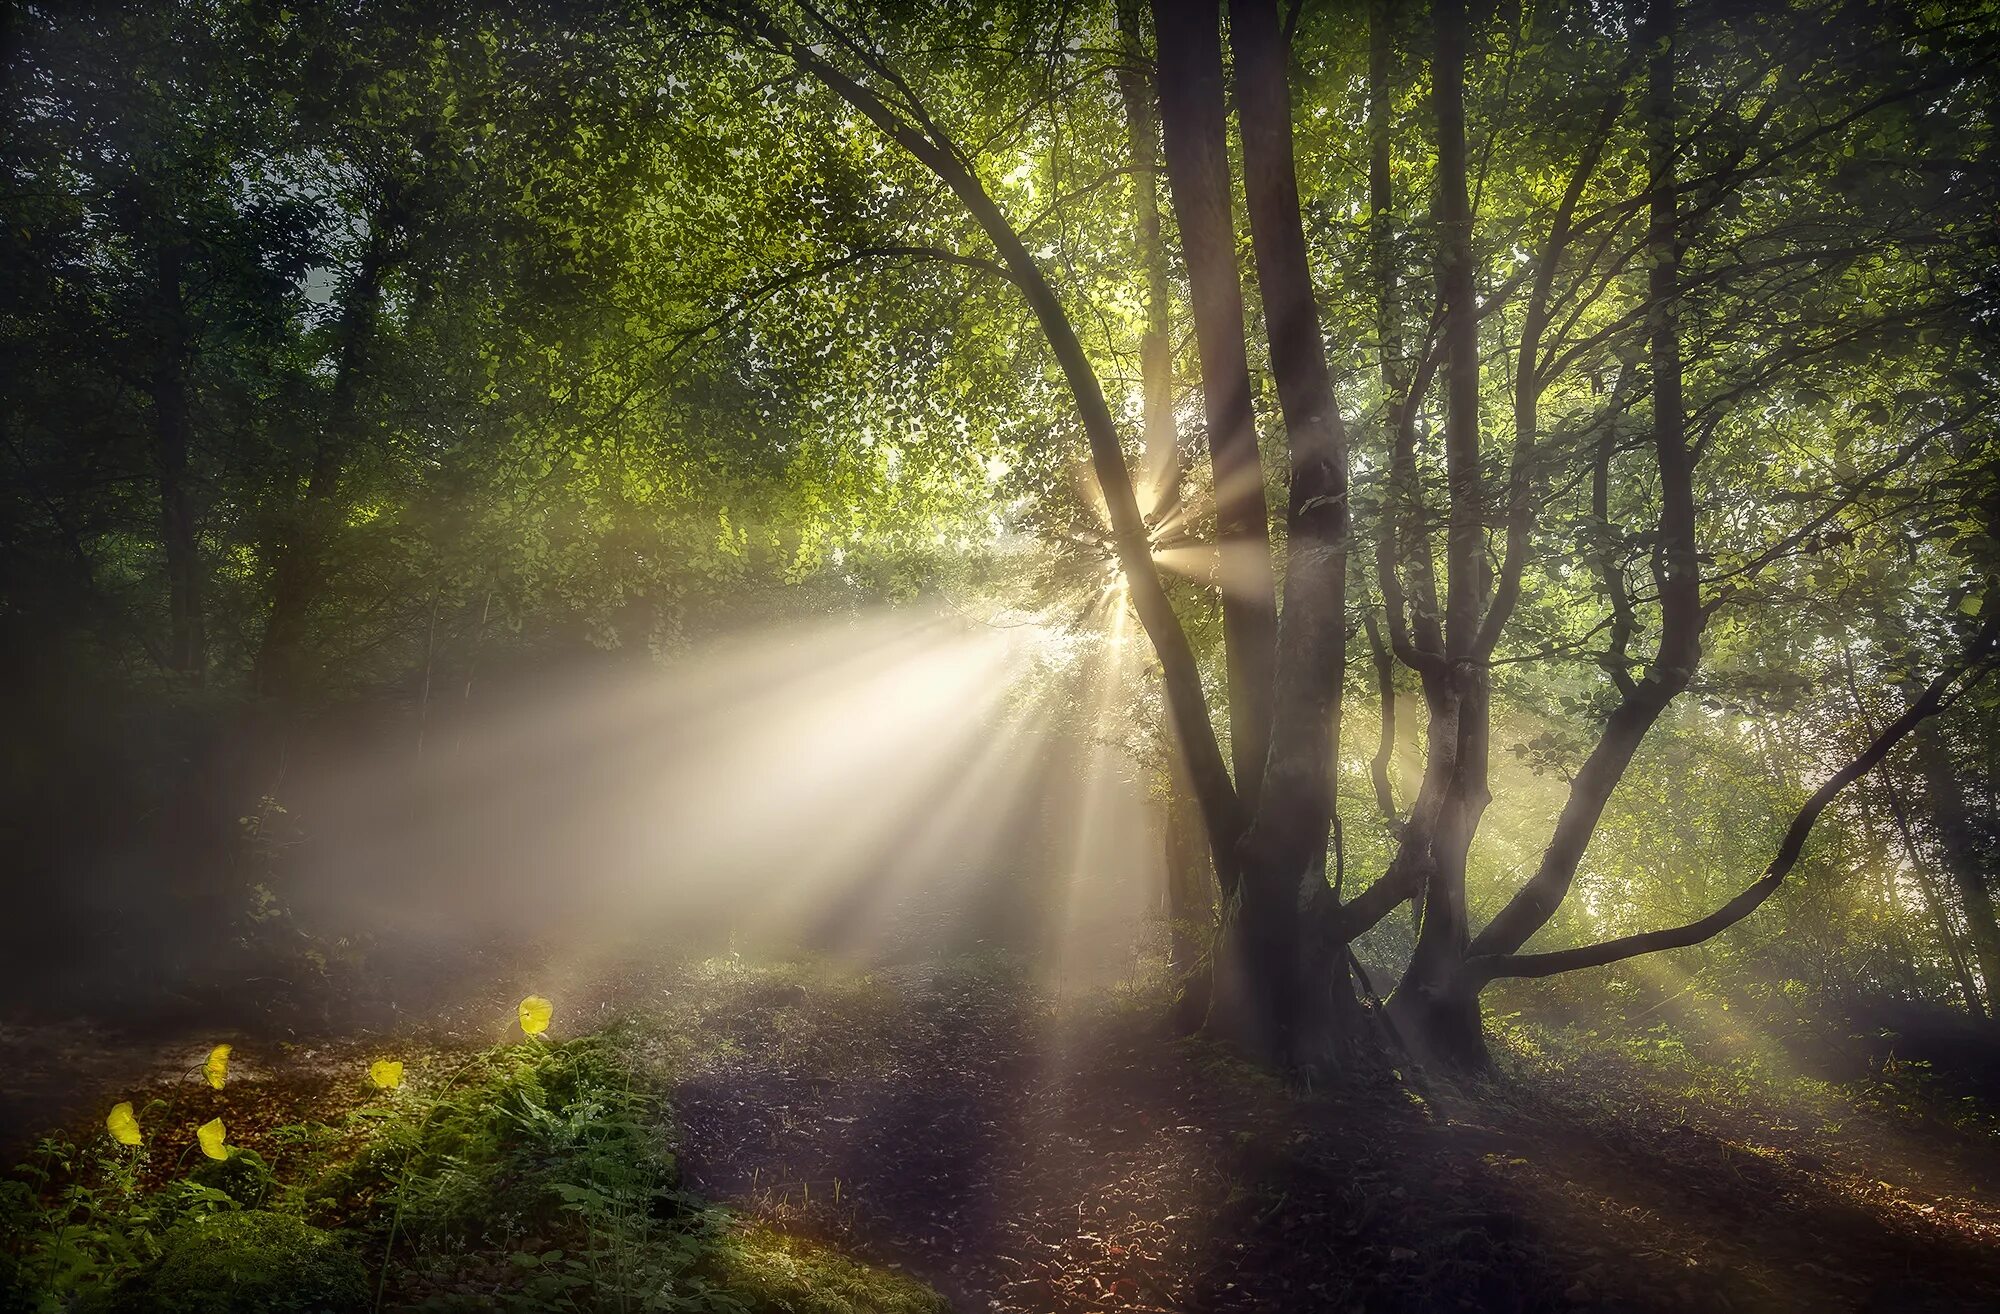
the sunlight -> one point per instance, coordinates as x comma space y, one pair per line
856, 786
1040, 617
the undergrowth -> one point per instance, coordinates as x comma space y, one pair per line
530, 1177
1703, 1065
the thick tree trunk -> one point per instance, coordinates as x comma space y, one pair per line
1435, 1015
1193, 115
1285, 850
187, 644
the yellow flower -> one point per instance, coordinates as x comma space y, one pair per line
210, 1135
387, 1074
217, 1067
535, 1013
123, 1126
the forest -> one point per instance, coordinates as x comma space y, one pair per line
887, 656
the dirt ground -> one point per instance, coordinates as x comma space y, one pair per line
1024, 1161
1028, 1157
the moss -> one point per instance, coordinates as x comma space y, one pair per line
777, 1274
249, 1262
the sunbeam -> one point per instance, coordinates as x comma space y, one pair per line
894, 784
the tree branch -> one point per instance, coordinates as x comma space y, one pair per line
1971, 667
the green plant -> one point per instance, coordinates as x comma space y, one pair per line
531, 1177
247, 1262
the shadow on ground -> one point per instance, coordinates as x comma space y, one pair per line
1022, 1158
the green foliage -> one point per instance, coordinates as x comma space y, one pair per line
75, 1219
248, 1262
788, 1275
531, 1177
528, 1133
243, 1176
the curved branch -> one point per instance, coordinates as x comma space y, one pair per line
931, 147
1971, 667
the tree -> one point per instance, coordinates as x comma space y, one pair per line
1623, 377
1585, 317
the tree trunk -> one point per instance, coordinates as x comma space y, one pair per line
1959, 837
1189, 887
1399, 524
1675, 569
1285, 849
295, 580
1402, 537
1380, 766
1193, 115
187, 645
1436, 1015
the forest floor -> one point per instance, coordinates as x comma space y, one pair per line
1028, 1157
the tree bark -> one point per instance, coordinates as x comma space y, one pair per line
1434, 1013
1285, 850
1189, 890
1193, 116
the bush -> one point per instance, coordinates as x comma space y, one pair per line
529, 1177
